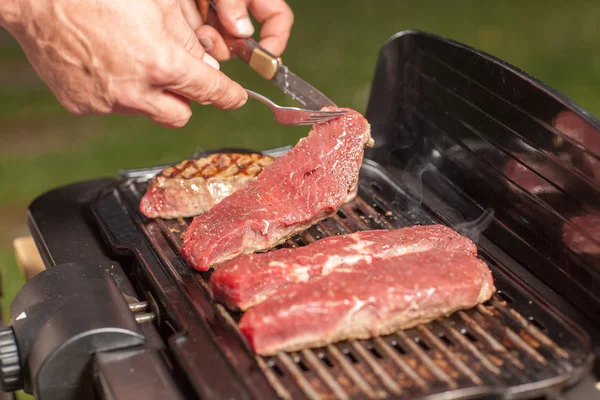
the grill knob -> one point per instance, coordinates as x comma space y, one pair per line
11, 378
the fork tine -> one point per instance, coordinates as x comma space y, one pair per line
326, 115
316, 121
321, 118
296, 116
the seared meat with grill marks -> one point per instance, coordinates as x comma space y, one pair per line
302, 187
250, 279
193, 187
368, 299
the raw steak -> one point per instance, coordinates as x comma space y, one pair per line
366, 300
302, 187
193, 187
250, 279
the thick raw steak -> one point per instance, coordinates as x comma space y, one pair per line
193, 187
250, 279
366, 300
302, 187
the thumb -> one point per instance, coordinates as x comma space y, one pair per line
233, 14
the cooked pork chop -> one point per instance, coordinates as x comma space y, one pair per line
367, 299
193, 187
302, 187
252, 278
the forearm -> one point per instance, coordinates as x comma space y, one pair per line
113, 56
11, 13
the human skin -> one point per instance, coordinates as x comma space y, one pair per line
138, 57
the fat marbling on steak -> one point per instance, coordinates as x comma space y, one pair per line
250, 279
302, 187
367, 300
193, 187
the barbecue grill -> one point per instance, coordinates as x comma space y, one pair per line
119, 315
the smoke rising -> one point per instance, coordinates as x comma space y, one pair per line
473, 229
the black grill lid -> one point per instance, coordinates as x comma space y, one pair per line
489, 139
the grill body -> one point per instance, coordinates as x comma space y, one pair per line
446, 120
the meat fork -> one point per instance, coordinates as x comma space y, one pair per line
294, 116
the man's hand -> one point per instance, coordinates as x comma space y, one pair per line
129, 57
275, 16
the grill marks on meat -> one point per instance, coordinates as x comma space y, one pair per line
250, 279
193, 187
302, 187
367, 299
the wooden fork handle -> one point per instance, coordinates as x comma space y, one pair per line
247, 49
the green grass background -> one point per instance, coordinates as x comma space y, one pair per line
334, 45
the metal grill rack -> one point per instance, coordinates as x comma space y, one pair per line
509, 346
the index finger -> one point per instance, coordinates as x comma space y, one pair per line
277, 19
198, 80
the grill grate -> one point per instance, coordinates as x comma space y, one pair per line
509, 345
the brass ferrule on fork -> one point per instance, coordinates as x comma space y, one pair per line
259, 59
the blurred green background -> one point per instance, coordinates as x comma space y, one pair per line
334, 45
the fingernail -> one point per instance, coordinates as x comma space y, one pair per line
244, 26
206, 42
211, 61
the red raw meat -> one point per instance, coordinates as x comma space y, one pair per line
366, 300
250, 279
302, 187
